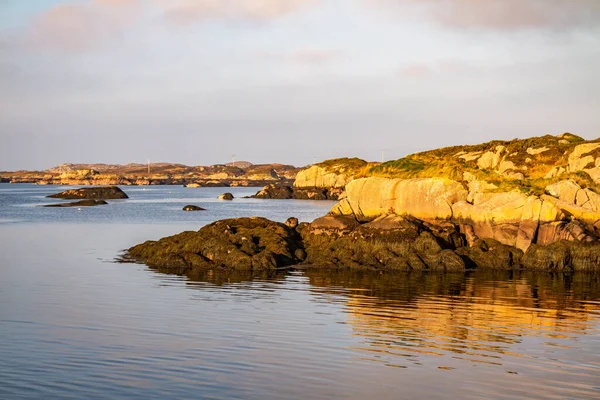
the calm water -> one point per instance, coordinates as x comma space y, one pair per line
74, 324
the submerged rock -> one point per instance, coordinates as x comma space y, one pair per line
191, 207
226, 196
97, 193
82, 203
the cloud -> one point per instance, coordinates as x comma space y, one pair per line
414, 70
191, 11
81, 26
500, 14
78, 27
304, 56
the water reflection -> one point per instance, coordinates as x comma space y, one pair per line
478, 317
409, 319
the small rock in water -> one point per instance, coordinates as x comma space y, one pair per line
191, 207
226, 196
93, 193
82, 203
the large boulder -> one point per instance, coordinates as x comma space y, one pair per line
425, 198
93, 193
233, 244
390, 243
275, 192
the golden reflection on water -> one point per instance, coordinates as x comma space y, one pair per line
480, 318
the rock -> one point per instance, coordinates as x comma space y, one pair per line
491, 254
426, 198
563, 255
334, 222
275, 192
581, 158
554, 172
511, 218
312, 193
330, 174
95, 193
272, 191
490, 160
191, 207
226, 196
388, 222
193, 185
233, 244
389, 243
292, 222
564, 190
81, 203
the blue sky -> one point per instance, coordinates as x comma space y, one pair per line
290, 81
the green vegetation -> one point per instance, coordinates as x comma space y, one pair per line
343, 163
526, 163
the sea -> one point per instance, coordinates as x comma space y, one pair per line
76, 324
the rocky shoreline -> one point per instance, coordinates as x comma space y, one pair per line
530, 204
389, 243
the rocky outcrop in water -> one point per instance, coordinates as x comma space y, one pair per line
226, 196
231, 244
81, 203
306, 193
94, 193
387, 243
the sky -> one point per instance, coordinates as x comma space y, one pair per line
288, 81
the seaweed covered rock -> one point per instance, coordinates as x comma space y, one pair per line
563, 255
237, 244
491, 254
81, 203
92, 193
388, 243
272, 191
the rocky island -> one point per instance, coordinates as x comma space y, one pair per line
93, 193
520, 204
238, 174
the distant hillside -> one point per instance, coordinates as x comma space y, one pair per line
243, 173
239, 164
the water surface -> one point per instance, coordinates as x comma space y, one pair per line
74, 324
